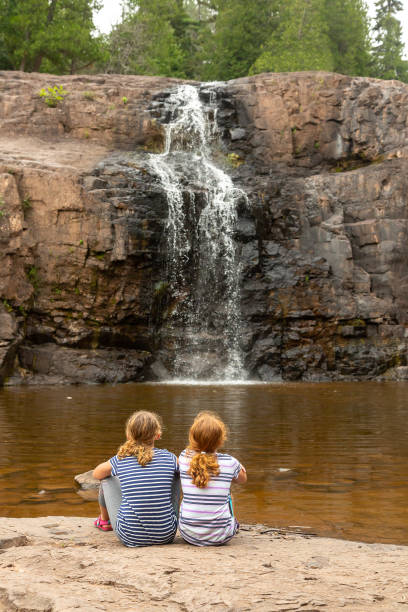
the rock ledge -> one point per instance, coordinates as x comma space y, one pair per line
54, 564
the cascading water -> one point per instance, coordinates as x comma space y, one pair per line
202, 270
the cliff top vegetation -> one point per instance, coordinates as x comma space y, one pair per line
204, 39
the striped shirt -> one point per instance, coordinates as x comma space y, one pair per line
146, 515
205, 514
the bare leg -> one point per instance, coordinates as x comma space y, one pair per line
103, 513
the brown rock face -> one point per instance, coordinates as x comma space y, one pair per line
323, 244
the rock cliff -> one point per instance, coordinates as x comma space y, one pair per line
323, 240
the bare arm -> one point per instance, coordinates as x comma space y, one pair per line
103, 470
242, 476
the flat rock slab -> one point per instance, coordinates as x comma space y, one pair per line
64, 564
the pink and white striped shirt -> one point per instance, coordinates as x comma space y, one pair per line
205, 514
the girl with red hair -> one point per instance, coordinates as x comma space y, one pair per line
206, 517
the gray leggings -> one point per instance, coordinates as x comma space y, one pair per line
110, 497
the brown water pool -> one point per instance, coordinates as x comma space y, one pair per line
330, 457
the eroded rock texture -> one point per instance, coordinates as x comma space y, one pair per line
64, 564
323, 241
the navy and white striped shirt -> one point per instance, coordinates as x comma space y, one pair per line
146, 515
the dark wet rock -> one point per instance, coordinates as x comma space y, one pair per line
10, 339
53, 363
158, 371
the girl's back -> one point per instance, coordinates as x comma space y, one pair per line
146, 515
137, 486
205, 515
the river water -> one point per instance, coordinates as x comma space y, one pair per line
331, 458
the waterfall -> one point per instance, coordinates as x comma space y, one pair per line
202, 268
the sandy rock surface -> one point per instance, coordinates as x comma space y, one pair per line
54, 564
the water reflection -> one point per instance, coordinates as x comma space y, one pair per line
332, 457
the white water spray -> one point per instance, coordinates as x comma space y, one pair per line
202, 267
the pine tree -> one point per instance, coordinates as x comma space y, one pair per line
300, 42
389, 48
200, 31
241, 28
148, 41
348, 31
49, 35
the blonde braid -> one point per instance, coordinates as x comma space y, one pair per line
132, 449
142, 429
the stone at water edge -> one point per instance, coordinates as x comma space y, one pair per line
87, 481
11, 540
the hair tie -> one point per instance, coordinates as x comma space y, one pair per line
203, 453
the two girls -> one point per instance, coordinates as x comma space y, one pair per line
140, 499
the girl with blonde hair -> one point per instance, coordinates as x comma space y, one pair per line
138, 493
206, 517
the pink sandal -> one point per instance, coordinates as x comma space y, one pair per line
103, 525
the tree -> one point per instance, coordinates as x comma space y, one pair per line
241, 27
348, 32
146, 41
300, 41
388, 52
49, 35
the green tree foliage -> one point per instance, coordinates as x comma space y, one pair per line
198, 35
388, 50
204, 39
300, 41
48, 35
150, 39
349, 35
241, 27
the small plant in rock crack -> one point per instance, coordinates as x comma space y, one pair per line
53, 95
27, 203
32, 276
89, 95
234, 160
7, 306
3, 213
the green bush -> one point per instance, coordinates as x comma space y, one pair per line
53, 95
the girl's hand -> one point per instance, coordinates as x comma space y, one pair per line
242, 476
103, 470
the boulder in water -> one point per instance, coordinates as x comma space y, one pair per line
87, 481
